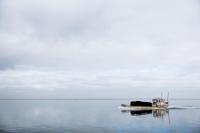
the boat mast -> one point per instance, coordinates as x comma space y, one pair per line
168, 97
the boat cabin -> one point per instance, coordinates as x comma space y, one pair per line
159, 102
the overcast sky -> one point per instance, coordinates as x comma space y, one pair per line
100, 44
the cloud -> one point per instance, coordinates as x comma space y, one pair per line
145, 41
99, 32
20, 83
110, 79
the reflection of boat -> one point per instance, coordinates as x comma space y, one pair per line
160, 113
142, 112
155, 112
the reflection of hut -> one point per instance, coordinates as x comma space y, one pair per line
144, 112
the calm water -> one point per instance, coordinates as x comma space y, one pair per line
94, 116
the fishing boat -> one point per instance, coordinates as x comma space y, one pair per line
156, 104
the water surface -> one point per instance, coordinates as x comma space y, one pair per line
89, 116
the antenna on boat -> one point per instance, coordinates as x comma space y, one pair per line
168, 97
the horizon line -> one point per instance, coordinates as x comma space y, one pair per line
92, 98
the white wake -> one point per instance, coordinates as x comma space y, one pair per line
183, 107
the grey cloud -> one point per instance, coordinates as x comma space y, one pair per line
104, 84
43, 32
145, 40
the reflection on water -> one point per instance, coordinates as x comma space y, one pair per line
88, 116
158, 113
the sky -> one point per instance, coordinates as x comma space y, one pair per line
99, 48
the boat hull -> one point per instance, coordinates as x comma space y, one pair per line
141, 108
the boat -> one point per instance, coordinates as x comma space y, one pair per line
156, 104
